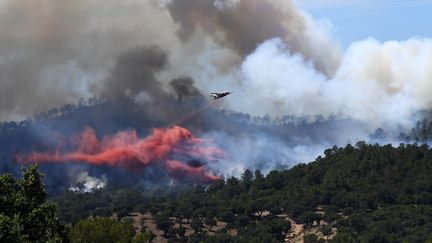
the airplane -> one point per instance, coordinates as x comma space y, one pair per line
218, 95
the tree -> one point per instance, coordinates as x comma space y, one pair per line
25, 213
102, 229
279, 226
181, 231
196, 224
326, 230
163, 222
242, 220
310, 238
246, 179
309, 217
221, 238
143, 237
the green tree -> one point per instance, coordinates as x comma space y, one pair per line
326, 230
25, 213
247, 179
309, 217
310, 238
103, 230
196, 224
163, 222
143, 237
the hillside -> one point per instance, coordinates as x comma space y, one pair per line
369, 193
276, 141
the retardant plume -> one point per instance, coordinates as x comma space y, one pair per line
164, 148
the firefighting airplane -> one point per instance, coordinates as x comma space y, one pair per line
218, 95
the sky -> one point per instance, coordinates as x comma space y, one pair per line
382, 20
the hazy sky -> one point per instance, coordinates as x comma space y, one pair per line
381, 19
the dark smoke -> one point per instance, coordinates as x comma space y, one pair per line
133, 85
133, 76
184, 87
61, 52
243, 25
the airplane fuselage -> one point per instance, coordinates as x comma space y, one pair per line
218, 95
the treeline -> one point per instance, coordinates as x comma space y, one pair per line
238, 117
266, 120
422, 132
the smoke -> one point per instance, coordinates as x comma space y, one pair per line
273, 147
134, 76
163, 147
184, 87
260, 48
242, 25
86, 183
59, 53
377, 83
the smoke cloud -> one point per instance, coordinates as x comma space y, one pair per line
377, 83
133, 76
267, 48
242, 25
60, 53
184, 87
163, 147
87, 183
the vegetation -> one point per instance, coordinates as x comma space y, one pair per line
76, 206
106, 230
370, 193
422, 132
25, 213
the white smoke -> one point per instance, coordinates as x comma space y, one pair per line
86, 183
377, 83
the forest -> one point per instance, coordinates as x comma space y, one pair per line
360, 193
